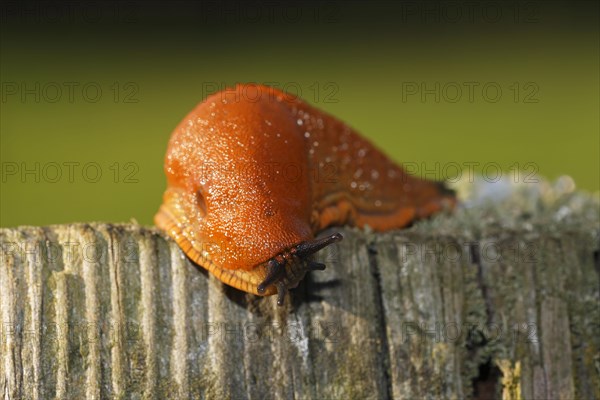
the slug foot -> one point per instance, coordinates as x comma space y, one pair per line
287, 269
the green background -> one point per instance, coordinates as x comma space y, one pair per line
353, 60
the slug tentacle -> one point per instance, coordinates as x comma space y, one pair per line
281, 292
315, 266
312, 246
275, 272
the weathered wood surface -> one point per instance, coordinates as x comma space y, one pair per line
499, 299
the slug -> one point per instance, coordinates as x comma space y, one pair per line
254, 174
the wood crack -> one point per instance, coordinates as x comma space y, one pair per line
385, 353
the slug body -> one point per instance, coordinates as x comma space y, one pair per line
255, 173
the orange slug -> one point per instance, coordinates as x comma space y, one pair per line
255, 173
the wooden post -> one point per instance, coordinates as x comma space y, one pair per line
498, 300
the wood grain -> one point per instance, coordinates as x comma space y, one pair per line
499, 299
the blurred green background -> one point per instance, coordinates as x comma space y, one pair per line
91, 93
